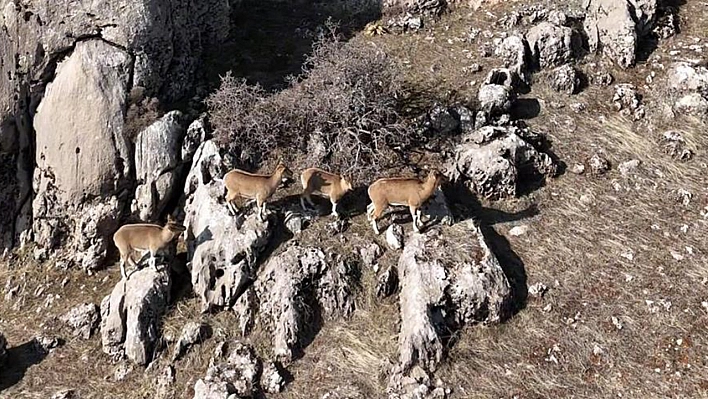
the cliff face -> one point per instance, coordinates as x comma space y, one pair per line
86, 49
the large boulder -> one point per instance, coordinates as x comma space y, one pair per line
157, 164
688, 84
616, 27
552, 45
441, 291
495, 99
294, 283
514, 52
491, 160
88, 96
78, 175
130, 315
223, 248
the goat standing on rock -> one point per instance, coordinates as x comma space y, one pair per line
144, 237
253, 187
331, 185
401, 191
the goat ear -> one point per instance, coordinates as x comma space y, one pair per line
171, 219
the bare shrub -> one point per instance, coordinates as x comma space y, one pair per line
142, 112
341, 112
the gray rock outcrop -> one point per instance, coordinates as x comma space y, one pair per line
83, 319
616, 27
192, 333
491, 159
271, 379
495, 99
552, 45
223, 248
130, 315
689, 83
75, 175
92, 53
294, 282
158, 165
468, 283
235, 376
515, 54
565, 79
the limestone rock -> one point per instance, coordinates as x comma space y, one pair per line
628, 101
90, 52
130, 315
442, 121
164, 382
552, 45
515, 54
192, 333
271, 379
88, 95
245, 311
394, 236
197, 133
693, 104
686, 78
491, 161
437, 209
468, 286
616, 27
598, 165
83, 319
495, 98
293, 283
43, 344
565, 79
370, 254
157, 162
237, 375
387, 283
223, 248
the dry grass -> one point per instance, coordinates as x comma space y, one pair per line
611, 257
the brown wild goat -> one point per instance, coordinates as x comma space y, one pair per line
331, 185
253, 187
144, 237
409, 192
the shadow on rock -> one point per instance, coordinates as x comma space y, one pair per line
465, 206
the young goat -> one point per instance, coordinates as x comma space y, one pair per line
401, 192
145, 238
253, 187
331, 185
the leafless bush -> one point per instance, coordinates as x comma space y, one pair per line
142, 112
342, 112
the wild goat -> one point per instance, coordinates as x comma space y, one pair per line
331, 185
253, 187
409, 192
144, 237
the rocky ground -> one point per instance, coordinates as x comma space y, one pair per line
565, 257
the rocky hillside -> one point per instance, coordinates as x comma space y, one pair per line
563, 256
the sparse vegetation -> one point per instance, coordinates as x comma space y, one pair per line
342, 111
142, 112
